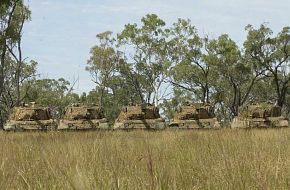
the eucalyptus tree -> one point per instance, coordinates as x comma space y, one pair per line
13, 15
14, 47
190, 71
102, 63
271, 53
145, 58
14, 68
237, 74
107, 68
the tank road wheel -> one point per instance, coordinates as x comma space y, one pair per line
174, 126
160, 126
127, 127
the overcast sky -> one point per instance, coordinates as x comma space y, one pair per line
61, 32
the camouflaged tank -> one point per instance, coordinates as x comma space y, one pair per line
194, 116
144, 116
30, 117
82, 117
260, 115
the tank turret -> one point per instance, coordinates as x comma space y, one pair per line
260, 115
81, 116
194, 116
140, 116
30, 117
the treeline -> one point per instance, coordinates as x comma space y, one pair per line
153, 63
167, 65
15, 69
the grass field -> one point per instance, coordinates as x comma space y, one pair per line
219, 159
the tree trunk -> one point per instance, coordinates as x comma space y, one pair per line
18, 72
3, 54
101, 100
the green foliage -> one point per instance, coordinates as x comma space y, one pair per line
234, 74
53, 93
9, 96
190, 70
145, 66
13, 14
14, 70
118, 96
157, 59
271, 53
102, 63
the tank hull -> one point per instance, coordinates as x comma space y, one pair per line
270, 122
30, 125
83, 124
195, 124
146, 124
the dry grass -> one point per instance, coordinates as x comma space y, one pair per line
221, 159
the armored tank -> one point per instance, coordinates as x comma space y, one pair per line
260, 115
30, 117
194, 116
144, 116
82, 117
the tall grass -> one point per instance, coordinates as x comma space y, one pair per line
219, 159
